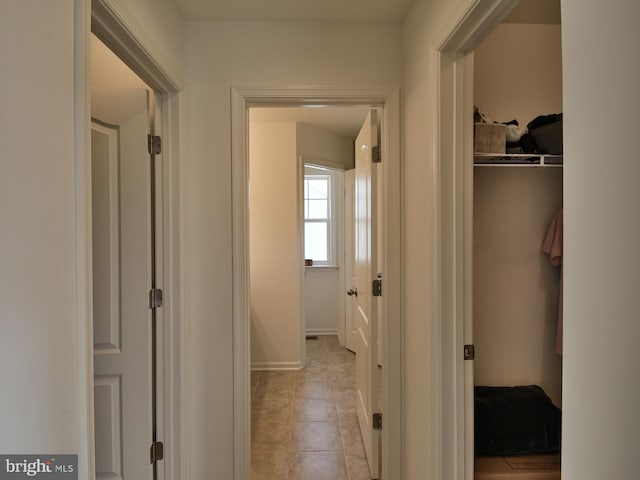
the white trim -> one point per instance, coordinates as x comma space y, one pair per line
176, 117
470, 23
84, 274
114, 24
119, 30
320, 162
393, 377
275, 366
300, 284
170, 405
241, 309
318, 332
334, 215
113, 135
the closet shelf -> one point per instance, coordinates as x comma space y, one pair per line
516, 160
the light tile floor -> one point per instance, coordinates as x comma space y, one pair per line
304, 424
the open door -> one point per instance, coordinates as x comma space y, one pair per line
365, 303
122, 278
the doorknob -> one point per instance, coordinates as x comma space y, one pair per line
352, 291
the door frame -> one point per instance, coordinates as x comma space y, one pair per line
119, 30
242, 98
469, 25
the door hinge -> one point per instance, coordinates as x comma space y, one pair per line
377, 421
155, 144
155, 298
376, 154
157, 451
376, 286
469, 352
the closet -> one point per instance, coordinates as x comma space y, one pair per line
518, 75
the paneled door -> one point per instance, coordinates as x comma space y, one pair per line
366, 270
122, 269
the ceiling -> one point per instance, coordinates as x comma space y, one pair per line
536, 11
344, 121
528, 11
361, 10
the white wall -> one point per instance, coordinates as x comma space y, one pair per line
41, 401
45, 304
164, 29
322, 299
601, 419
518, 72
275, 259
421, 337
219, 56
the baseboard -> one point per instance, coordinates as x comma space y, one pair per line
276, 366
310, 332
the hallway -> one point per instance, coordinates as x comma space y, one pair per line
304, 423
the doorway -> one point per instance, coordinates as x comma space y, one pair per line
456, 148
298, 159
125, 271
242, 99
164, 112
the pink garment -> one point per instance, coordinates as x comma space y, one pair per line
553, 246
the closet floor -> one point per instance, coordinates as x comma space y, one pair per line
303, 423
525, 467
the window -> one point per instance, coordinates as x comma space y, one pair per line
320, 211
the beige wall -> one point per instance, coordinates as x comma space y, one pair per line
317, 144
219, 56
272, 306
274, 256
515, 287
518, 72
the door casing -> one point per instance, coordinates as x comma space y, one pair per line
118, 29
464, 32
388, 98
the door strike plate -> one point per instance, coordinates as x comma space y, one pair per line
469, 352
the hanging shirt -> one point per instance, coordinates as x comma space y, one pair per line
553, 246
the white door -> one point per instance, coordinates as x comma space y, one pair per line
366, 270
349, 254
121, 280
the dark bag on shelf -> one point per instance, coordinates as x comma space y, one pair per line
546, 130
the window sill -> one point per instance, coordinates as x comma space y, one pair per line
323, 267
